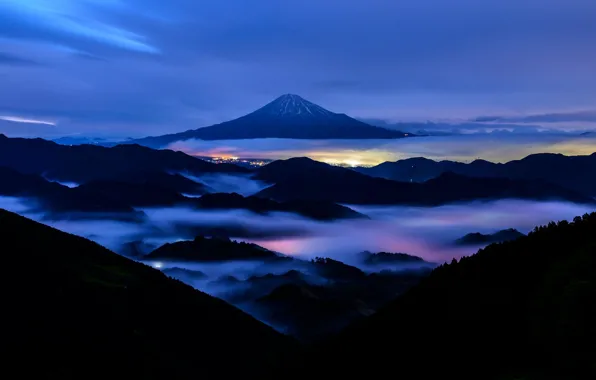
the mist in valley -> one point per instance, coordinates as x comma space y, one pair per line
263, 288
228, 183
427, 232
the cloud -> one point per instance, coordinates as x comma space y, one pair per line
17, 119
12, 60
588, 116
166, 66
73, 22
227, 183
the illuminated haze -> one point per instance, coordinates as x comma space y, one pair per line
465, 148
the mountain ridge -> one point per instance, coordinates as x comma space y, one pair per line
572, 172
83, 163
304, 178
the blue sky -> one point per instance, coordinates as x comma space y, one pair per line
140, 67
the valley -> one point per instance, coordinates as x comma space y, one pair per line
275, 190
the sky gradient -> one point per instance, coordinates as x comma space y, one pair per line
145, 67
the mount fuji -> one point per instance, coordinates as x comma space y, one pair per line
289, 116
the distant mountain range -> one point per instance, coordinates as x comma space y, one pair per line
83, 163
573, 116
151, 190
303, 178
288, 116
54, 197
125, 177
572, 172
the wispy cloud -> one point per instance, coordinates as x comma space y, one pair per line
16, 119
71, 21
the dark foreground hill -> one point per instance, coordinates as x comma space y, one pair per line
524, 309
73, 309
303, 178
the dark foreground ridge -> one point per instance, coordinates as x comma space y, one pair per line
73, 309
524, 309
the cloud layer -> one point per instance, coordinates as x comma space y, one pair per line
428, 232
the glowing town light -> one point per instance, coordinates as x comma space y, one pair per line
352, 163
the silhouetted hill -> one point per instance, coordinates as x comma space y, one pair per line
172, 182
382, 258
417, 169
524, 309
303, 178
211, 249
288, 116
310, 209
73, 309
476, 238
449, 187
291, 275
312, 311
336, 270
138, 195
250, 290
308, 312
183, 274
53, 197
572, 172
84, 163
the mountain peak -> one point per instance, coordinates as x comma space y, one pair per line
287, 117
290, 96
292, 105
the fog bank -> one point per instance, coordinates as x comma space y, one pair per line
428, 232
